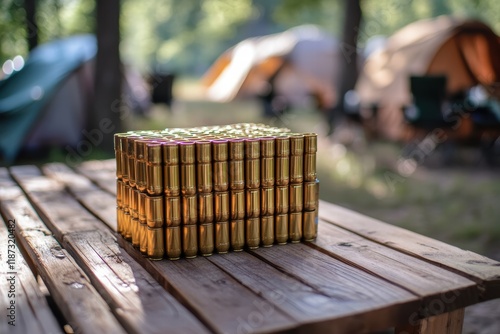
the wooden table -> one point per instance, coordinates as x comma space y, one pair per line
360, 275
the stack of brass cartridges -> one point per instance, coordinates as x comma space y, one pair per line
190, 191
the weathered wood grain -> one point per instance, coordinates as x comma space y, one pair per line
426, 280
81, 304
102, 172
101, 204
221, 302
484, 271
31, 312
449, 323
56, 207
373, 302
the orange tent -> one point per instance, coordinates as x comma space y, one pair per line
301, 62
467, 52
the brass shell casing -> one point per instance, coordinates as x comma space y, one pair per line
134, 203
119, 220
296, 168
237, 235
310, 167
173, 215
141, 208
204, 177
252, 235
154, 211
118, 153
252, 173
140, 164
124, 157
190, 241
310, 142
189, 210
154, 173
296, 198
143, 239
136, 237
205, 208
221, 206
267, 230
267, 172
171, 180
267, 147
281, 228
156, 241
206, 239
282, 146
173, 249
282, 176
220, 150
296, 144
252, 148
310, 196
236, 149
267, 201
119, 193
309, 223
222, 237
203, 151
127, 226
237, 204
131, 158
170, 153
252, 203
282, 199
221, 175
187, 152
237, 174
188, 179
295, 226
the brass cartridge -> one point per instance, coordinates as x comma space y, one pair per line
221, 176
124, 157
171, 172
296, 144
252, 235
173, 214
236, 149
131, 158
134, 222
237, 235
205, 208
267, 230
118, 137
282, 146
238, 204
252, 148
310, 167
204, 177
154, 211
206, 239
267, 147
309, 225
141, 208
267, 172
188, 168
281, 228
296, 169
143, 239
282, 177
140, 164
156, 248
154, 173
252, 173
296, 197
190, 241
310, 142
310, 196
282, 199
237, 174
252, 203
222, 237
173, 242
220, 149
189, 210
295, 226
267, 201
221, 206
203, 151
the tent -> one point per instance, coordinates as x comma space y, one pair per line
466, 52
299, 63
46, 102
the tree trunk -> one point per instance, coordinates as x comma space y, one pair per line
109, 110
348, 62
31, 26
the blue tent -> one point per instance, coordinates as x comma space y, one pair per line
25, 94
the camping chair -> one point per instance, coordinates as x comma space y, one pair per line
428, 97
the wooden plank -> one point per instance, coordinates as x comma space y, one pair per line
138, 301
216, 298
484, 271
103, 205
450, 323
54, 204
25, 307
373, 302
426, 280
82, 306
102, 172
